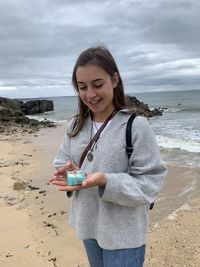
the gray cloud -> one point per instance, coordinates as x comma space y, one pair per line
155, 43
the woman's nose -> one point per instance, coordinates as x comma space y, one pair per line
90, 92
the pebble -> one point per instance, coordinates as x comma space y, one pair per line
14, 199
3, 195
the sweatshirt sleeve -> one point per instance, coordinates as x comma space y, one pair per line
144, 178
63, 153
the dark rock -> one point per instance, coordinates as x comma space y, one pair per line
37, 106
30, 107
22, 120
157, 112
8, 113
42, 191
9, 255
142, 109
33, 187
13, 119
47, 123
33, 122
10, 103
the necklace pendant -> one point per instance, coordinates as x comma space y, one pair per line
90, 156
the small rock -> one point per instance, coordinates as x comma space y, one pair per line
11, 200
9, 255
19, 186
14, 199
42, 191
3, 195
33, 187
28, 155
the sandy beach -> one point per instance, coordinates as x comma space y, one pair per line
34, 229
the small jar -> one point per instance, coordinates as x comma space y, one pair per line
75, 177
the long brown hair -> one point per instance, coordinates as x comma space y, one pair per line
101, 57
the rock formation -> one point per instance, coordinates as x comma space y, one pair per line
13, 112
142, 108
36, 106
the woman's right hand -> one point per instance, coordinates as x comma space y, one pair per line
59, 177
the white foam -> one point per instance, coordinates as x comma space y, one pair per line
189, 188
187, 145
173, 216
172, 110
40, 119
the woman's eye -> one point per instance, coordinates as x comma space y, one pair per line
98, 85
82, 88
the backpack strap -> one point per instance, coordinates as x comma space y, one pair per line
129, 146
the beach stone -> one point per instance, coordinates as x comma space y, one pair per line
3, 195
11, 200
19, 186
4, 163
14, 198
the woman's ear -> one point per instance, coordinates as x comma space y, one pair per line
115, 79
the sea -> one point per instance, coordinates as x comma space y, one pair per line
177, 130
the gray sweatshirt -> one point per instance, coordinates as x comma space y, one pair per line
117, 215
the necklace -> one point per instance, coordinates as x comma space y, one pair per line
96, 126
90, 155
94, 140
90, 152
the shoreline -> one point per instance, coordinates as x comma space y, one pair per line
40, 233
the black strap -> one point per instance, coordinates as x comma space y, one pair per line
129, 146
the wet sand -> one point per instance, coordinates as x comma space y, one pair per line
34, 230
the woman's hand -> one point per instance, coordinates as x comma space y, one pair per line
95, 179
59, 179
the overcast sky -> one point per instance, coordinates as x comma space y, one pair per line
156, 44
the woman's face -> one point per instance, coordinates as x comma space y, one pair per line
95, 87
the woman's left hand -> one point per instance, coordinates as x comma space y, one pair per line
95, 179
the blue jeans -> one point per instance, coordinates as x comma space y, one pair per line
99, 257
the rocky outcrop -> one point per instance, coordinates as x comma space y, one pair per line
10, 103
13, 114
36, 106
30, 107
142, 108
7, 114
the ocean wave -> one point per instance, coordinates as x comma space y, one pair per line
35, 117
61, 121
187, 145
172, 110
182, 109
40, 119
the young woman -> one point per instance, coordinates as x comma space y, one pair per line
110, 208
